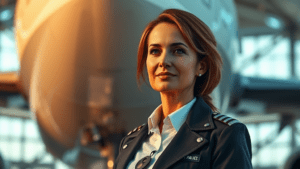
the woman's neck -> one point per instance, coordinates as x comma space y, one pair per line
173, 101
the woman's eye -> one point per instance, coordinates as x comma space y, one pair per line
154, 51
179, 51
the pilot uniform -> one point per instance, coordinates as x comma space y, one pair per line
204, 140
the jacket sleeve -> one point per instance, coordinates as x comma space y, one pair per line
117, 159
233, 148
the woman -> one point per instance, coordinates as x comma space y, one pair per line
183, 64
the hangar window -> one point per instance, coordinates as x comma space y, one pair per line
269, 56
8, 55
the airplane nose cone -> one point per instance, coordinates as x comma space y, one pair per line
78, 62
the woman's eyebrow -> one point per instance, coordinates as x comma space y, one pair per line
173, 44
156, 45
179, 43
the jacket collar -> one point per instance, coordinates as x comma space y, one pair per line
200, 116
186, 140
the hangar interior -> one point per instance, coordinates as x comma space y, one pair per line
269, 47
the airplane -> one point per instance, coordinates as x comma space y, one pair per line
78, 67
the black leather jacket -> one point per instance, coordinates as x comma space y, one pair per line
205, 140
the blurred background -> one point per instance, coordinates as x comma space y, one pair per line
269, 47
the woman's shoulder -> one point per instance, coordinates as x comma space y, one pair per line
224, 119
226, 124
228, 128
230, 142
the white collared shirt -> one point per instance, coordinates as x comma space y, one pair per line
159, 141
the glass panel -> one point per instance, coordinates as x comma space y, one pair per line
264, 157
285, 135
267, 130
252, 132
15, 127
279, 155
273, 156
4, 150
249, 47
6, 41
33, 150
298, 139
4, 126
271, 56
31, 130
297, 124
297, 59
8, 55
15, 150
268, 67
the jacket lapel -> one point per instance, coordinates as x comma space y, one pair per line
127, 154
187, 140
176, 150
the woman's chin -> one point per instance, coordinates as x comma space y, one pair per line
165, 88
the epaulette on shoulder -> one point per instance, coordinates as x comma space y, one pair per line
136, 129
225, 119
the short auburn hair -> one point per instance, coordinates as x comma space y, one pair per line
198, 35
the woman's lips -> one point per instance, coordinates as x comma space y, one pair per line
165, 73
165, 76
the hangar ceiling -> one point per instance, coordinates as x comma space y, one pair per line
257, 16
254, 16
271, 17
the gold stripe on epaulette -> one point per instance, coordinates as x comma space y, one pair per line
225, 119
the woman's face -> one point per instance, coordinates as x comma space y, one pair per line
171, 63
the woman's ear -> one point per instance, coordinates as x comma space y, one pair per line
202, 67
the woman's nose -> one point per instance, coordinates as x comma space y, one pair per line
165, 59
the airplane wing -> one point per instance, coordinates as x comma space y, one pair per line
277, 95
